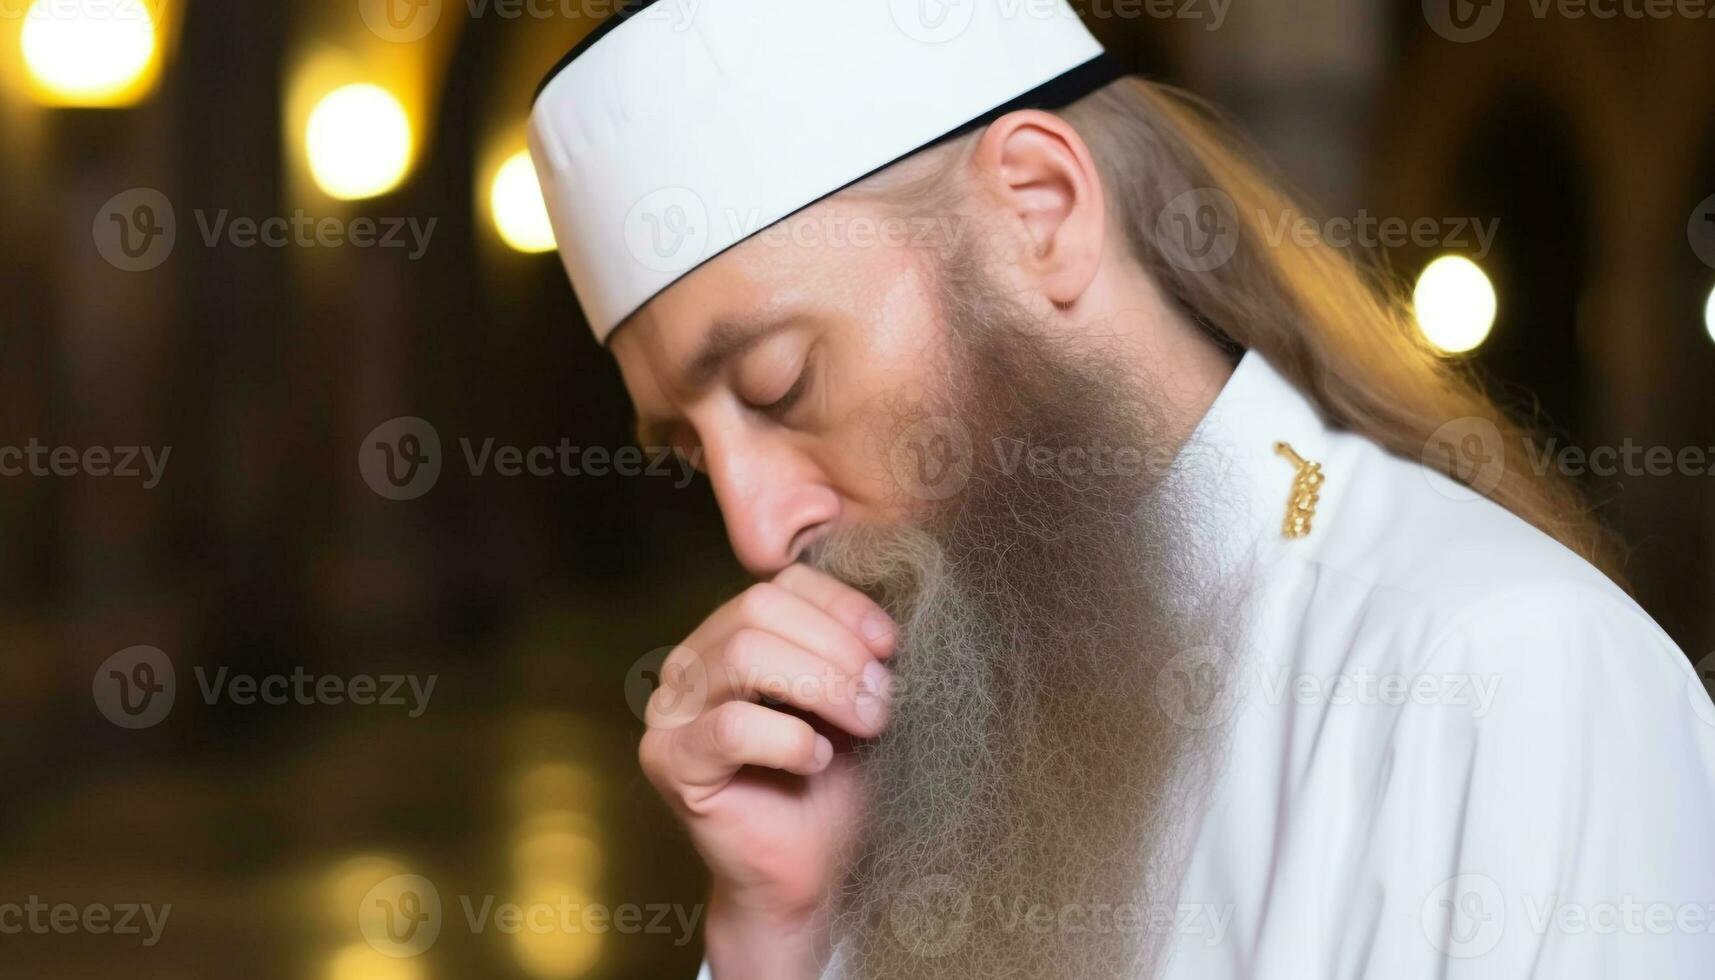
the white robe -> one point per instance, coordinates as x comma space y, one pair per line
1455, 749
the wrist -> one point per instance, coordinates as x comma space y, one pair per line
755, 944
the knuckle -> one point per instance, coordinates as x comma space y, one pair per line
651, 752
756, 602
804, 742
728, 728
793, 576
744, 653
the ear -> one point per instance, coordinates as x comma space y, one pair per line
1041, 178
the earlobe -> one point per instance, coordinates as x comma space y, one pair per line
1045, 186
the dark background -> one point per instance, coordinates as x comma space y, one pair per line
532, 599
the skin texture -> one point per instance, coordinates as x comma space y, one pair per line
851, 330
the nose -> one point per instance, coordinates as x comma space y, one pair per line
773, 500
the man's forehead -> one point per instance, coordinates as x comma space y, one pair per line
782, 271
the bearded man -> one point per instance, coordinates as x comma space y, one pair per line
1136, 597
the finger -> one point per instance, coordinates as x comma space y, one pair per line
789, 615
850, 607
760, 664
707, 753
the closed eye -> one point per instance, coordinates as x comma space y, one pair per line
780, 406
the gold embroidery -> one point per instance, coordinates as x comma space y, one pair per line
1306, 487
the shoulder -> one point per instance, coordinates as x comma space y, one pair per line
1464, 571
1446, 584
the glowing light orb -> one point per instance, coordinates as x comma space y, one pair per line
358, 141
515, 201
1455, 304
1709, 313
88, 52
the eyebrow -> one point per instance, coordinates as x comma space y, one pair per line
726, 339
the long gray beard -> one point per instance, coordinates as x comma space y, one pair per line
1022, 808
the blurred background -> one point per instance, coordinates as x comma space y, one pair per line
305, 695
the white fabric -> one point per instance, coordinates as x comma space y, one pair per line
694, 125
1532, 797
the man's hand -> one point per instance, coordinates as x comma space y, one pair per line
767, 799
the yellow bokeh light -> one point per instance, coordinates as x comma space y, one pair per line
515, 201
90, 52
1455, 304
358, 141
358, 961
554, 786
561, 936
559, 853
340, 891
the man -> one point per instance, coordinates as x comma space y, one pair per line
1135, 597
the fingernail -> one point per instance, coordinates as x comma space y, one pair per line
878, 681
877, 628
824, 751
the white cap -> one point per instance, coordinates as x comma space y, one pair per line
679, 128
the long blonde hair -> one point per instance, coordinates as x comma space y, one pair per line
1335, 324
